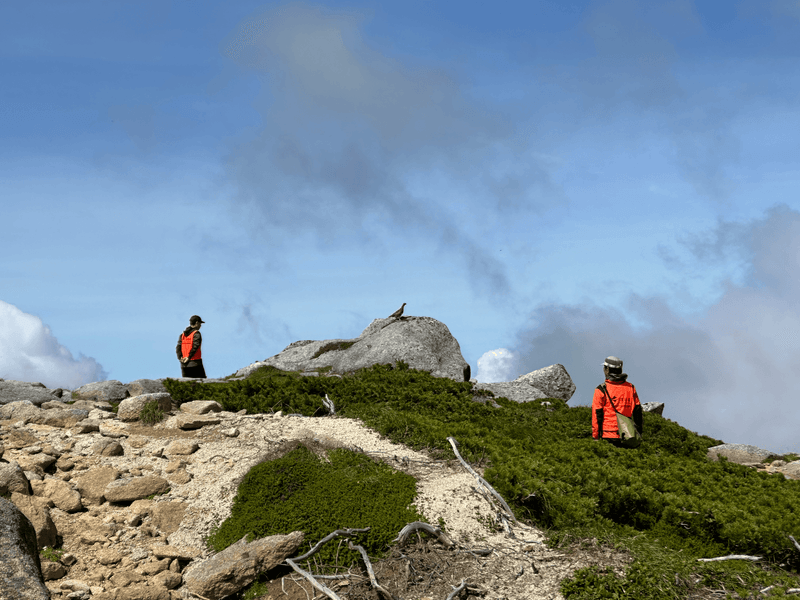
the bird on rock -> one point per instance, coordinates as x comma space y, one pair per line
398, 313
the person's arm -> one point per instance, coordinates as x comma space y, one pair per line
196, 341
178, 347
597, 414
637, 412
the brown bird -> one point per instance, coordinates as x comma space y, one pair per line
398, 313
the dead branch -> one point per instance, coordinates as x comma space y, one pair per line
417, 525
384, 592
329, 405
328, 538
456, 590
322, 588
731, 557
481, 480
794, 541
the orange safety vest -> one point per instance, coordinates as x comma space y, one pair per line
186, 346
625, 399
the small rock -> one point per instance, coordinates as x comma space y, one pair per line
65, 463
135, 488
107, 447
167, 516
181, 477
113, 429
200, 407
52, 570
168, 579
155, 567
189, 421
232, 432
182, 447
108, 556
68, 559
86, 426
174, 465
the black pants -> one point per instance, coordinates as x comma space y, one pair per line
614, 442
194, 368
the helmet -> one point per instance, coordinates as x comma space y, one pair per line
614, 364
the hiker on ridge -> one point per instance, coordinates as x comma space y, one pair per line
188, 350
613, 396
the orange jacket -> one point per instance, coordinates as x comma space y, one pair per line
186, 346
604, 417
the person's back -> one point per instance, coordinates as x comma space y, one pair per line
619, 396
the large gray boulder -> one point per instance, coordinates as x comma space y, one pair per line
110, 391
145, 386
238, 565
549, 382
16, 391
741, 453
20, 569
421, 342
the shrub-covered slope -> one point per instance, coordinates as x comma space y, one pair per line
540, 456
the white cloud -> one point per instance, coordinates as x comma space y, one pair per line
30, 352
496, 365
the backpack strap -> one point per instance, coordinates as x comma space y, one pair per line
602, 388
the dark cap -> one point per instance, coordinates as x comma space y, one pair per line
194, 319
613, 363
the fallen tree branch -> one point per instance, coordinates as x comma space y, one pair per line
370, 572
417, 525
456, 590
481, 480
322, 588
329, 405
731, 557
328, 538
794, 541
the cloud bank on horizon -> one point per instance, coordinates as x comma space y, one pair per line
30, 352
731, 373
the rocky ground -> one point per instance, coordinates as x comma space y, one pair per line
130, 505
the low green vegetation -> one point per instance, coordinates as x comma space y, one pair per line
332, 346
303, 491
51, 554
151, 413
665, 503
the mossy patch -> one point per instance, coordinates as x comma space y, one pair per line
331, 347
317, 495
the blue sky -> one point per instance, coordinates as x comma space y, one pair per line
555, 181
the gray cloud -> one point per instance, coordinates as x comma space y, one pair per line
732, 373
344, 126
30, 352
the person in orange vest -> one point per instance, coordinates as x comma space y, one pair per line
188, 349
621, 395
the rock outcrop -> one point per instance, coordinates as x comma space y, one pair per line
239, 564
549, 382
421, 342
20, 567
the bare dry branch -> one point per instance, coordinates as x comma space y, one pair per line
328, 538
457, 590
481, 480
731, 557
416, 526
794, 541
322, 588
329, 405
384, 592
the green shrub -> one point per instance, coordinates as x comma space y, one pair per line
151, 413
544, 462
301, 491
51, 554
